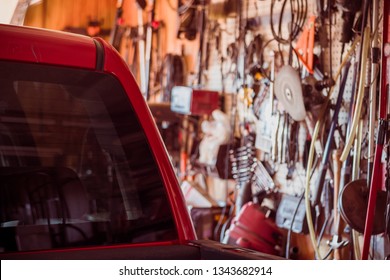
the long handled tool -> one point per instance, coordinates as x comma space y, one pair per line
20, 12
355, 176
336, 215
373, 89
141, 4
365, 45
325, 157
382, 130
115, 36
148, 49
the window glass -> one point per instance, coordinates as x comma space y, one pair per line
75, 165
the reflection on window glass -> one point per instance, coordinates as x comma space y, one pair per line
75, 165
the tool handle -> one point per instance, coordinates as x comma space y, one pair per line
336, 189
347, 26
319, 185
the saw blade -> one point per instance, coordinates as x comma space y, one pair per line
353, 203
288, 90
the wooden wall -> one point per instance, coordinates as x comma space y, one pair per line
57, 14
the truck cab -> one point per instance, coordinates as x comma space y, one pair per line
84, 173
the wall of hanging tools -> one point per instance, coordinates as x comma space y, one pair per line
275, 114
300, 85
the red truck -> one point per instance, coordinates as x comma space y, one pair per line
84, 173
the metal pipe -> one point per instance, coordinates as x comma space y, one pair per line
148, 54
141, 51
357, 151
373, 88
355, 176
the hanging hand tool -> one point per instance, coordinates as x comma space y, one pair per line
324, 10
148, 48
141, 46
365, 45
337, 241
275, 137
20, 12
305, 45
272, 85
361, 189
349, 9
262, 179
375, 60
282, 137
115, 34
202, 17
243, 161
347, 166
292, 154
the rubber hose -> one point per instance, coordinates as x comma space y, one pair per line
359, 99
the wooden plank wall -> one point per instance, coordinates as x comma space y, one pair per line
57, 14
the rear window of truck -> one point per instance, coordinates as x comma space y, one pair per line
75, 165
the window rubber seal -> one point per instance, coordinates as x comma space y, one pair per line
99, 55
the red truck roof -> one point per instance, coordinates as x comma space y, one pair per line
49, 47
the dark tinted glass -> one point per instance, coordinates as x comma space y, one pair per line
75, 165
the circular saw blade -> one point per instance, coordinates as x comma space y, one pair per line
288, 90
353, 202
